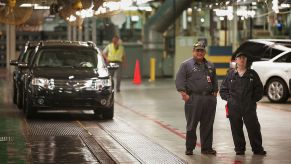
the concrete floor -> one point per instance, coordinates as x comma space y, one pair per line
155, 111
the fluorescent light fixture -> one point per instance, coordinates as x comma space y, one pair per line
71, 18
38, 7
242, 11
142, 1
275, 6
28, 4
85, 13
134, 18
125, 3
135, 8
35, 6
284, 5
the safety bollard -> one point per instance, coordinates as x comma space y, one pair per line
152, 69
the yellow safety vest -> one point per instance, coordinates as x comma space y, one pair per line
115, 54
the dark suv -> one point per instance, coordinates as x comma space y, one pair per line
68, 75
23, 58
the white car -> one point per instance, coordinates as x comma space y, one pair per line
275, 75
261, 49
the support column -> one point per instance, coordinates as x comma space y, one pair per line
10, 46
74, 33
235, 36
94, 30
10, 54
80, 33
69, 32
86, 29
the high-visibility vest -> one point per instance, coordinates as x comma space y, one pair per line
115, 54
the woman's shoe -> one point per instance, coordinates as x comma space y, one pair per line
263, 152
240, 153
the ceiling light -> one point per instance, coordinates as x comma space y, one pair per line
38, 7
27, 5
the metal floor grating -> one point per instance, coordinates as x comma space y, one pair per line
102, 156
60, 149
54, 128
72, 142
139, 145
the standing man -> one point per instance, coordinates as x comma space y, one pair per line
242, 89
114, 53
197, 83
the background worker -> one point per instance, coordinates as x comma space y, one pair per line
114, 53
197, 83
242, 88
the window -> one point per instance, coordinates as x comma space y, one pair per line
271, 53
285, 58
66, 57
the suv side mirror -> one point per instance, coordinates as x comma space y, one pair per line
13, 62
112, 66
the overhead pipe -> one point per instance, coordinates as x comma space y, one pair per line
156, 25
170, 10
164, 16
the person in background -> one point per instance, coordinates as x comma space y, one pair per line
242, 88
114, 53
197, 83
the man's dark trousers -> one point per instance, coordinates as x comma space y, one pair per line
200, 108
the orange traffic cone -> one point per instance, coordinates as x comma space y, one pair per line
136, 77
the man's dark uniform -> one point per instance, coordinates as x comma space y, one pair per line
199, 82
241, 94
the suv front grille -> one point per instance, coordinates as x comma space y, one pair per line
70, 84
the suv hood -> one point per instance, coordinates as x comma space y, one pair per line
65, 73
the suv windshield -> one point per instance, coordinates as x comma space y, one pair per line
66, 57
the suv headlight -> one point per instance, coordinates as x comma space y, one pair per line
99, 84
43, 82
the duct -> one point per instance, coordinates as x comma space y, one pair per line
164, 16
153, 41
289, 25
160, 22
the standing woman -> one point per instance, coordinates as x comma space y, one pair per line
242, 88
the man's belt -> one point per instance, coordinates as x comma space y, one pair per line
204, 93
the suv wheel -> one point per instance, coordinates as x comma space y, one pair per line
19, 99
108, 113
14, 94
277, 90
29, 111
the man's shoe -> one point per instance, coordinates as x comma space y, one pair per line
240, 153
212, 152
189, 152
260, 152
